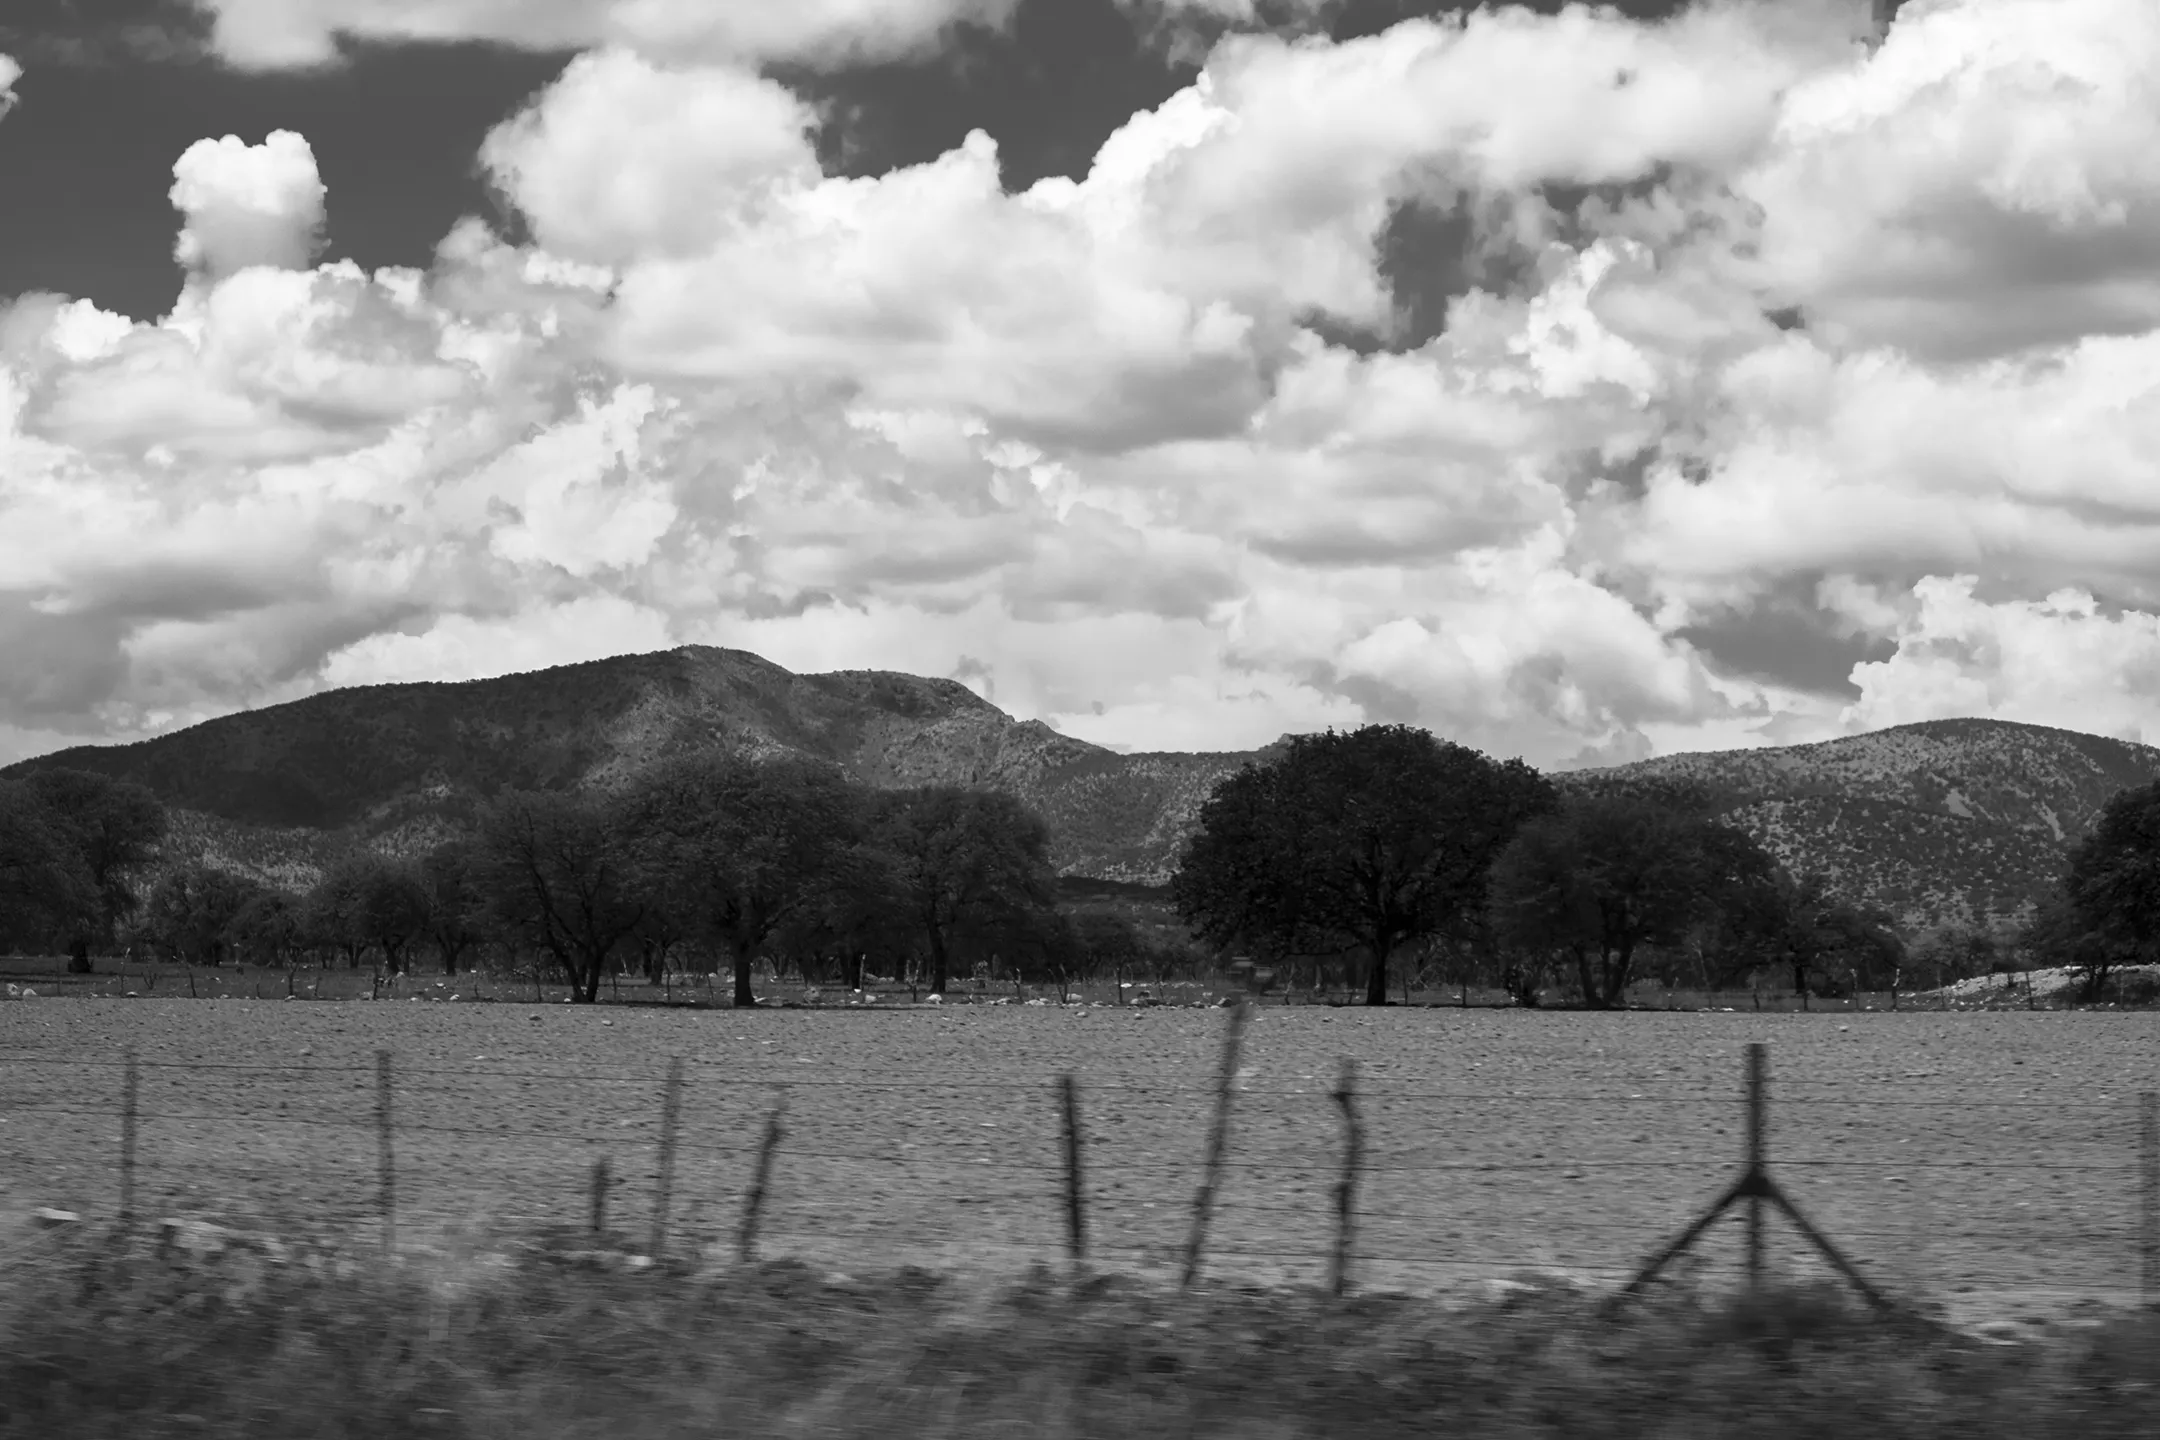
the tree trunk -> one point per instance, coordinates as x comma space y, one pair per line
1376, 978
940, 972
744, 998
1586, 978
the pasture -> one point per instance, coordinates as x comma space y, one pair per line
1987, 1162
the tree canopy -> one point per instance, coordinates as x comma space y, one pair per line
554, 870
1612, 872
73, 846
45, 886
742, 846
114, 826
1373, 838
966, 869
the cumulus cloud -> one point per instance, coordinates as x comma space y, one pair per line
279, 34
1723, 450
1987, 181
2059, 660
248, 204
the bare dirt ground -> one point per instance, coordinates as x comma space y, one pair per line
1985, 1161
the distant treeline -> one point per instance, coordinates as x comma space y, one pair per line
702, 861
1376, 858
1386, 850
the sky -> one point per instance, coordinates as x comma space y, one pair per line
1579, 382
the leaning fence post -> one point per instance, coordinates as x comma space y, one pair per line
754, 1201
1346, 1191
128, 1088
382, 1137
670, 1114
1075, 1214
2149, 1168
1218, 1137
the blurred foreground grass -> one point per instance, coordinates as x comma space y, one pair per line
99, 1339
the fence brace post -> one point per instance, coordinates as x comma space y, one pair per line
1755, 1186
760, 1181
1218, 1139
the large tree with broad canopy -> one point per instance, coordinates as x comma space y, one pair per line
1375, 838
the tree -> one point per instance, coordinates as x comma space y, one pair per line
333, 913
554, 870
1373, 839
268, 929
1821, 935
394, 908
1611, 873
964, 864
1955, 952
1106, 944
115, 828
744, 847
456, 910
193, 909
44, 885
2113, 886
367, 901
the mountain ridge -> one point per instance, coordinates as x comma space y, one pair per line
1941, 821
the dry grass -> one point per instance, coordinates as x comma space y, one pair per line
99, 1339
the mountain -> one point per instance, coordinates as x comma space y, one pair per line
1950, 820
1965, 821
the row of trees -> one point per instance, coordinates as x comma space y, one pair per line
1378, 849
722, 855
1387, 841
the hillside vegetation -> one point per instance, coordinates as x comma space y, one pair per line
1965, 821
1945, 821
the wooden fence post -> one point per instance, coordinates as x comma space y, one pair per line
2149, 1185
389, 1169
1218, 1139
128, 1087
1346, 1191
1075, 1212
670, 1117
1758, 1065
760, 1180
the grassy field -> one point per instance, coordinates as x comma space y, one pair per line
98, 1339
1984, 1161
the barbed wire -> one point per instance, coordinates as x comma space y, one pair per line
1379, 1085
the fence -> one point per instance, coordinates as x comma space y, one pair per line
1140, 1138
